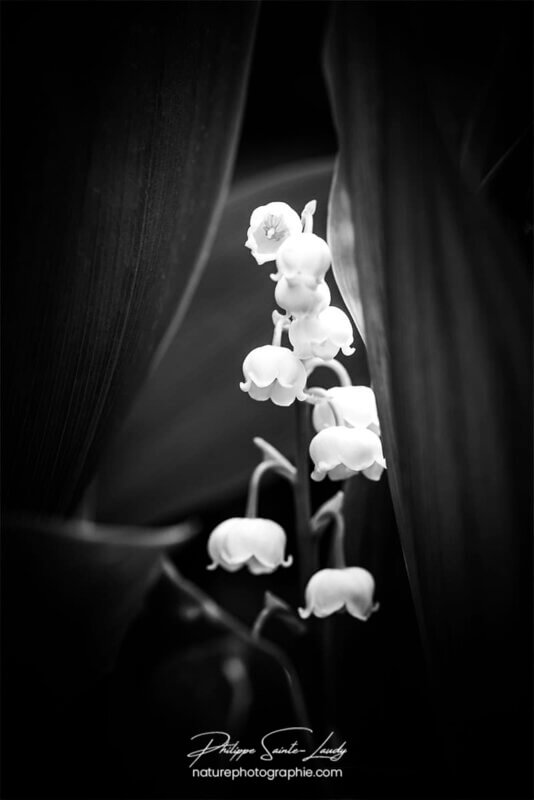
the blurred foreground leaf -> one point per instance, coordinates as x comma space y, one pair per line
121, 127
72, 590
446, 301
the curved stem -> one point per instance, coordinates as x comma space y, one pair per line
315, 394
218, 615
260, 622
235, 671
270, 453
335, 366
254, 485
334, 504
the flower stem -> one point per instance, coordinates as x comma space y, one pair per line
277, 332
254, 485
337, 551
216, 614
334, 365
306, 544
259, 624
270, 453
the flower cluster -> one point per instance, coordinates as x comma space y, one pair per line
314, 327
345, 417
347, 439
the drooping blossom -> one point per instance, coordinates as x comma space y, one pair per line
331, 590
270, 226
301, 295
258, 544
322, 335
355, 406
273, 373
341, 452
303, 255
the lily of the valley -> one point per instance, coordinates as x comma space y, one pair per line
304, 255
341, 452
354, 406
331, 590
302, 294
273, 373
270, 226
258, 544
322, 335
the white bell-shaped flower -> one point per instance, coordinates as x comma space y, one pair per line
303, 254
322, 335
273, 373
354, 405
341, 452
258, 544
270, 226
331, 590
301, 295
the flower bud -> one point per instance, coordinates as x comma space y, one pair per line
273, 373
331, 590
323, 335
270, 226
302, 295
258, 544
341, 452
303, 254
355, 406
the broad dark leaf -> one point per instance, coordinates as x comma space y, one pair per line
188, 440
121, 126
72, 589
445, 296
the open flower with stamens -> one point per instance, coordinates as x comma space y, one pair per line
341, 452
301, 294
258, 544
322, 335
270, 226
303, 254
354, 405
274, 373
331, 590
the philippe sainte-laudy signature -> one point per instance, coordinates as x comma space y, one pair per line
275, 744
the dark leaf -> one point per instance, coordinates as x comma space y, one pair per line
73, 588
121, 127
446, 300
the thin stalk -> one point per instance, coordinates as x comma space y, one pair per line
260, 622
270, 453
306, 545
337, 547
277, 332
334, 365
222, 618
254, 485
